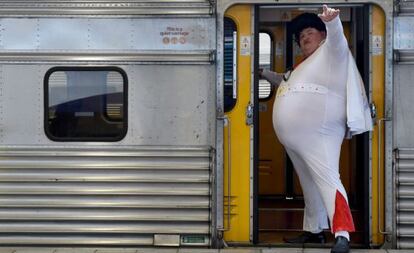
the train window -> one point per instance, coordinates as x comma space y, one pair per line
265, 62
230, 64
85, 104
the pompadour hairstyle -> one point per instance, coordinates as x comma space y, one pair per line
307, 20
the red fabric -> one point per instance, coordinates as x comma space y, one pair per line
342, 219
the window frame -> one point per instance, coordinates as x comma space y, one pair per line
272, 55
234, 63
46, 125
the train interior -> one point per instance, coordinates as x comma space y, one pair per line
280, 198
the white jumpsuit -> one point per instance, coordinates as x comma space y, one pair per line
309, 117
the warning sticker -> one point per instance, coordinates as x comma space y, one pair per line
279, 48
377, 45
244, 45
286, 16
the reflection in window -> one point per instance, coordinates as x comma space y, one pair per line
265, 62
85, 104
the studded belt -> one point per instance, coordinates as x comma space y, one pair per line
303, 87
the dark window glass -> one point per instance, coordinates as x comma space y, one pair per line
230, 39
85, 104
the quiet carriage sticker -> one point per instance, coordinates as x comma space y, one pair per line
174, 35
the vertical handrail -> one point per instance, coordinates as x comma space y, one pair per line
235, 65
380, 121
227, 122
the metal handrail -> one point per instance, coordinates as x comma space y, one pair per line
380, 121
227, 122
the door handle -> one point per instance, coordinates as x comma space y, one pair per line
249, 114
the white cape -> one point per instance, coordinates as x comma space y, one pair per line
357, 108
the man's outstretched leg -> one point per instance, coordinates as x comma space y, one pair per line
315, 217
322, 161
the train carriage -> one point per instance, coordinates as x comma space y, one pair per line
145, 123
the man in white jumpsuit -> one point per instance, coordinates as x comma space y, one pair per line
310, 118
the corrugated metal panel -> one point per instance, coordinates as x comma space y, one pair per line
111, 37
106, 7
84, 240
403, 130
103, 196
403, 39
404, 56
404, 7
405, 198
199, 57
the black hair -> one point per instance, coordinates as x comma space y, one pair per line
307, 20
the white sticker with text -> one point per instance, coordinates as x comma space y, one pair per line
244, 45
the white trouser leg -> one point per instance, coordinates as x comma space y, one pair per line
315, 217
321, 157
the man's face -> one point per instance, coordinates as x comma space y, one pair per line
310, 39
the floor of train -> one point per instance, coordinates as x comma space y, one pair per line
188, 250
283, 218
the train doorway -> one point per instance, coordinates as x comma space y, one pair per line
263, 200
279, 197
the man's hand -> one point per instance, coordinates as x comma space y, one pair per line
328, 14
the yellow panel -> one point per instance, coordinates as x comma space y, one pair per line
378, 94
240, 137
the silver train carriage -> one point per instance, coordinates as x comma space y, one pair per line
144, 123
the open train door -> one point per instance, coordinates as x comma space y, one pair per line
235, 93
246, 215
280, 197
